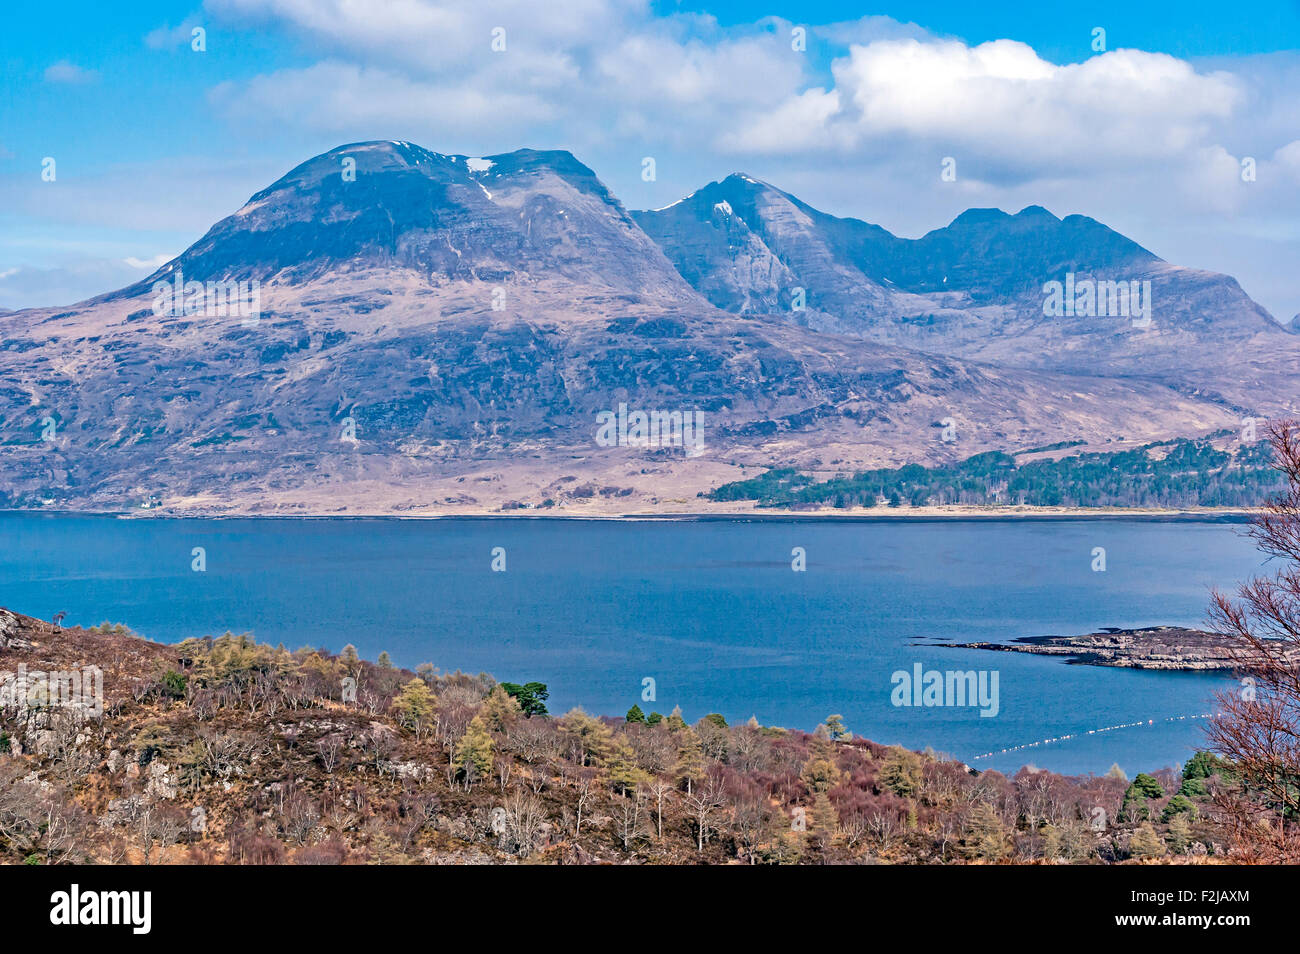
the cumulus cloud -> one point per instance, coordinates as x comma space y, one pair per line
1001, 101
874, 88
1288, 160
663, 69
427, 37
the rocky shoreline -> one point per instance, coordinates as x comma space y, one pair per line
1156, 647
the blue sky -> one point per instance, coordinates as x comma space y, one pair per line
1062, 31
153, 141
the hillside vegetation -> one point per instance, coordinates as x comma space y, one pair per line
1176, 474
225, 750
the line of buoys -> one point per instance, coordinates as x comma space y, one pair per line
1075, 735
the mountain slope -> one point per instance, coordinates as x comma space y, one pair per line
976, 289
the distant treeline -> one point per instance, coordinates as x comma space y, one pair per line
1192, 473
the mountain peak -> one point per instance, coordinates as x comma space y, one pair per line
742, 177
1036, 212
374, 156
1029, 215
394, 204
978, 217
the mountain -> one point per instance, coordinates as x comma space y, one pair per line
436, 333
975, 289
450, 218
731, 238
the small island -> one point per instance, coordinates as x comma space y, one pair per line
1153, 647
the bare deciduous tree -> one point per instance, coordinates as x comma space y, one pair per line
661, 790
524, 818
703, 804
1258, 728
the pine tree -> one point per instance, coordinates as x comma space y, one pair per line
501, 710
826, 821
1146, 843
835, 727
1177, 806
593, 735
1198, 770
690, 758
474, 751
621, 766
1180, 833
675, 721
1135, 807
820, 773
986, 836
901, 772
414, 706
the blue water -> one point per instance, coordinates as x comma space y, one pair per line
710, 610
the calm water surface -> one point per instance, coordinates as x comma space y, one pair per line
711, 610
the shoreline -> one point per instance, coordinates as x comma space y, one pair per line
1160, 648
862, 515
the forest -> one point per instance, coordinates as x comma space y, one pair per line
1183, 473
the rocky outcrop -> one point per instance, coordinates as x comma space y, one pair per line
1156, 647
10, 632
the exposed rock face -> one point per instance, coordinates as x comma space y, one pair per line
161, 783
439, 332
975, 289
10, 628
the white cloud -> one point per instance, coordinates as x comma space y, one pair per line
1001, 101
802, 122
1288, 160
426, 71
69, 73
660, 68
149, 264
426, 37
358, 102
